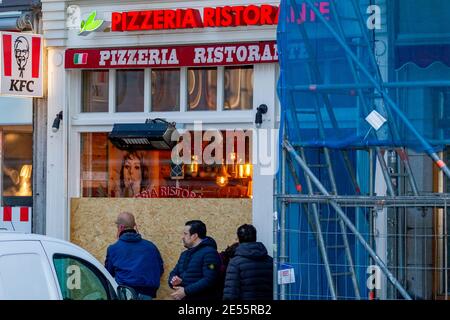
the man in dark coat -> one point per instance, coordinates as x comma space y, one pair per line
197, 273
133, 261
250, 273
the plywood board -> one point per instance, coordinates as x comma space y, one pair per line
159, 220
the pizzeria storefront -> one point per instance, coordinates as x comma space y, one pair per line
206, 72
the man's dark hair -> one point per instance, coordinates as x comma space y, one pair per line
228, 253
197, 227
246, 233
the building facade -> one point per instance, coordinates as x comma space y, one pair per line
17, 134
205, 65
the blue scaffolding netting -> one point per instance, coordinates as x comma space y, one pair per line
346, 84
336, 90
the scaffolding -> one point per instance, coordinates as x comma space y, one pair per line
331, 231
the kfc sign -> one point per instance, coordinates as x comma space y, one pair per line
21, 61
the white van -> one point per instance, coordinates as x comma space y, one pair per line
35, 267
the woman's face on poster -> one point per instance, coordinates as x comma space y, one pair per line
132, 172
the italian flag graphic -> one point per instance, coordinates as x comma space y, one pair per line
80, 58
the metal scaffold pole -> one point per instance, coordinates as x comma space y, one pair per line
290, 149
283, 221
336, 104
379, 87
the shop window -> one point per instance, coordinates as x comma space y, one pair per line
17, 160
238, 88
422, 17
92, 283
130, 91
94, 165
165, 90
95, 88
202, 89
222, 170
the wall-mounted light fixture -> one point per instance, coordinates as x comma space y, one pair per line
57, 121
262, 109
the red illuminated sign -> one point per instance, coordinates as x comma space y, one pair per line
228, 16
156, 20
213, 17
174, 56
304, 13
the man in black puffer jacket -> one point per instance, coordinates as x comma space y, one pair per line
197, 273
250, 273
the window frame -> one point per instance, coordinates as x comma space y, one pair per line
223, 85
149, 97
264, 87
82, 72
82, 117
115, 91
14, 201
110, 174
412, 38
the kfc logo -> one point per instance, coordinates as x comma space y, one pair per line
22, 52
22, 64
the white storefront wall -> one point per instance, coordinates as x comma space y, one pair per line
64, 94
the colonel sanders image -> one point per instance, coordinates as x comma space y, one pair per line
21, 52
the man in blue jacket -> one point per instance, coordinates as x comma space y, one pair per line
133, 261
197, 273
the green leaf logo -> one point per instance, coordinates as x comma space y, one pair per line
91, 18
90, 24
94, 25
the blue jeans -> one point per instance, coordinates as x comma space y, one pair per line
144, 297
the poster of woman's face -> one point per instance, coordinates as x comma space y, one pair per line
128, 173
133, 175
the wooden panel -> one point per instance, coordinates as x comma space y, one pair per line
159, 220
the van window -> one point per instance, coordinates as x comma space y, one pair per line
80, 280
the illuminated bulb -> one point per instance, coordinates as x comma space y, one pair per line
222, 181
194, 164
248, 170
241, 171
